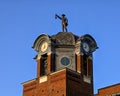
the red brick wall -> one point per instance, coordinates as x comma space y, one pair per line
54, 86
114, 89
61, 83
77, 87
29, 88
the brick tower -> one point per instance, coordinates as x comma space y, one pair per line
64, 66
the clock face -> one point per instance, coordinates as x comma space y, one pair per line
86, 47
44, 46
65, 61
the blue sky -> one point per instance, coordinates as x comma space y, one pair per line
21, 21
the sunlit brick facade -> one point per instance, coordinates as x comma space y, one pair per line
113, 90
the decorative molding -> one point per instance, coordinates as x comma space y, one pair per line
90, 57
38, 57
87, 79
39, 40
49, 53
79, 72
30, 81
42, 79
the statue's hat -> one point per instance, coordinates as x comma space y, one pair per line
63, 14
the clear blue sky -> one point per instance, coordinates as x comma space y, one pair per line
21, 21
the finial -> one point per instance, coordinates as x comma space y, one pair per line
64, 21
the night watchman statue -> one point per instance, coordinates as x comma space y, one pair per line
64, 21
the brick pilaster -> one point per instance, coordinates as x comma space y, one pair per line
78, 63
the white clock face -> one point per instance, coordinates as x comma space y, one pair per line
86, 47
44, 46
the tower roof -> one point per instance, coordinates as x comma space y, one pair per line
65, 38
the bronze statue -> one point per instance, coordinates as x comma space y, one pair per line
64, 21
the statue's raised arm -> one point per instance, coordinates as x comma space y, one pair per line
57, 16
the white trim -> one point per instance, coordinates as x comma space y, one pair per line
42, 79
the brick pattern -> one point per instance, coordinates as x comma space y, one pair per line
108, 91
29, 88
61, 83
54, 86
77, 87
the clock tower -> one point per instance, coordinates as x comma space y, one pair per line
64, 65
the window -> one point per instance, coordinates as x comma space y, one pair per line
43, 65
85, 65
